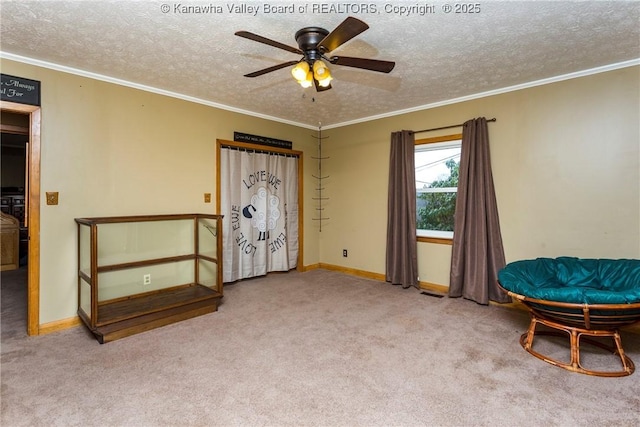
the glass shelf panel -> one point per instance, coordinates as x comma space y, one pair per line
85, 297
85, 249
207, 237
126, 242
124, 283
208, 274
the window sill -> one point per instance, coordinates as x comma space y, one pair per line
437, 240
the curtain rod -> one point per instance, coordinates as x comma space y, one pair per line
448, 127
257, 150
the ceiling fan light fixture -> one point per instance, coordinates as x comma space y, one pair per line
307, 81
326, 81
300, 71
320, 70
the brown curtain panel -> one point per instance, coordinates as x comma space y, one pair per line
477, 252
402, 244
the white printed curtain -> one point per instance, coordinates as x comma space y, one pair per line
259, 201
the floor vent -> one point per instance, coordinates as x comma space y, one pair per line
432, 294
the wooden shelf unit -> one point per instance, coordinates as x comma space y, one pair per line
184, 250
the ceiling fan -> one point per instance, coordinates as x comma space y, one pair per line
314, 44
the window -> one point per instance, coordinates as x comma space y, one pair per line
437, 165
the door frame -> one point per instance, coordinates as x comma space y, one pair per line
33, 212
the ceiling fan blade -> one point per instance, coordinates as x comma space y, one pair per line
364, 63
270, 69
257, 38
348, 29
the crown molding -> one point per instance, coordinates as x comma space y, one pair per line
575, 75
108, 79
121, 82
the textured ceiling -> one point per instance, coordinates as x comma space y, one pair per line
439, 56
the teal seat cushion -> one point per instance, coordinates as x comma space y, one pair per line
574, 280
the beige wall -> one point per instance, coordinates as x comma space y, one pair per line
565, 164
112, 150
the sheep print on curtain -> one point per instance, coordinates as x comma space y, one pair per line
477, 253
402, 244
259, 201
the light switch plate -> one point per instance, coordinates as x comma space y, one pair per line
52, 197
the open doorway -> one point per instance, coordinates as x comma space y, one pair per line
20, 126
14, 143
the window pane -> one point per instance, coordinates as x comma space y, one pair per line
437, 167
435, 211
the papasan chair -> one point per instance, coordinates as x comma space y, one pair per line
580, 297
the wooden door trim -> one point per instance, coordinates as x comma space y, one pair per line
33, 269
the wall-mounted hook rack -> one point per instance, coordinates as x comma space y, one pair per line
320, 178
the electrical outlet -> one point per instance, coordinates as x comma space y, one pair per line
344, 253
146, 279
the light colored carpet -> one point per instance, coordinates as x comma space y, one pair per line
309, 349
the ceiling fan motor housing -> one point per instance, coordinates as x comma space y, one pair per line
308, 39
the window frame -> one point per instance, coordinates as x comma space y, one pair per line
433, 237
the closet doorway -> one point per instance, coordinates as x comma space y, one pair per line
259, 193
31, 206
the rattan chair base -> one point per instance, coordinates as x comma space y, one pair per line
576, 335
